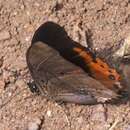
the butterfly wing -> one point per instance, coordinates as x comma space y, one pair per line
63, 81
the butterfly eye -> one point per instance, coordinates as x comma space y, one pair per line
112, 77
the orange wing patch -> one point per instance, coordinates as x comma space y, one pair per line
99, 69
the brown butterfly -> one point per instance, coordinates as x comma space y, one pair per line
61, 80
66, 71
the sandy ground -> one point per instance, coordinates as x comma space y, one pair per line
107, 20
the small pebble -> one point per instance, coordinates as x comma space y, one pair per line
9, 94
4, 35
35, 125
12, 79
20, 83
78, 109
38, 121
22, 7
6, 76
49, 114
80, 120
98, 114
57, 5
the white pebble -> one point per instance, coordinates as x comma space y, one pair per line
34, 125
9, 94
49, 114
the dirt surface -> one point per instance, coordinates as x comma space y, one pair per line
107, 20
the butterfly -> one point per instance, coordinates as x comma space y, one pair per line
65, 71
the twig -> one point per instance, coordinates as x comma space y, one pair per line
114, 124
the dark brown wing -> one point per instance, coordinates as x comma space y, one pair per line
62, 80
